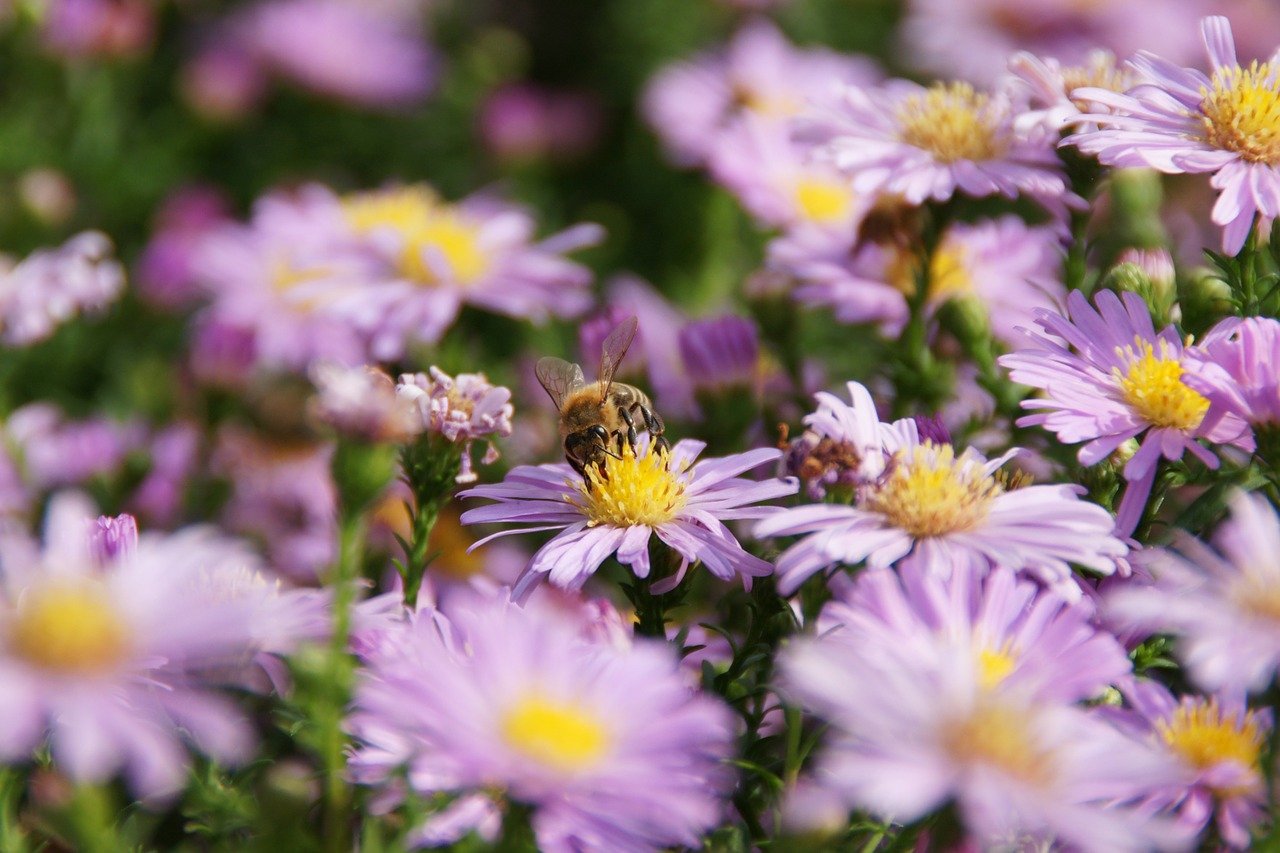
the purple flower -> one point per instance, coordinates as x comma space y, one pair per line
1183, 121
932, 711
639, 495
1122, 381
607, 743
51, 286
113, 538
361, 402
1234, 368
1050, 85
113, 663
937, 510
460, 409
1224, 604
524, 122
1217, 743
721, 353
55, 451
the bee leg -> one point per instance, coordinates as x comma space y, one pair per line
653, 423
632, 438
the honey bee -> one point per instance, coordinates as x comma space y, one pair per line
596, 418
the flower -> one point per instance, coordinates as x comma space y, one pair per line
113, 661
361, 402
901, 139
1184, 121
113, 537
1217, 743
720, 352
55, 451
923, 504
627, 500
1050, 86
47, 289
921, 718
608, 743
1233, 369
460, 409
1223, 604
1122, 381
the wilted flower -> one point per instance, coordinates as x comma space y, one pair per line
461, 409
626, 501
1182, 121
45, 290
607, 743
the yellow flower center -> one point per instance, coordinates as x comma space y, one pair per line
995, 665
823, 201
563, 736
1100, 73
929, 492
1153, 388
948, 272
69, 627
999, 737
633, 490
1241, 113
427, 227
1204, 736
953, 122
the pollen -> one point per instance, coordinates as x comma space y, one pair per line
823, 201
1153, 388
633, 490
929, 492
953, 122
69, 628
1204, 736
995, 665
999, 737
1241, 112
1101, 72
563, 736
431, 232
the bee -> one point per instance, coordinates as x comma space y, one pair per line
596, 418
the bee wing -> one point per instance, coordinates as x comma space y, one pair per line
559, 377
615, 347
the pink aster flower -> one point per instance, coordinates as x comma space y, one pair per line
1217, 743
1234, 368
921, 723
630, 499
361, 402
856, 287
113, 662
44, 291
936, 509
1108, 377
901, 139
55, 451
1184, 121
1050, 86
607, 742
461, 409
1222, 602
435, 256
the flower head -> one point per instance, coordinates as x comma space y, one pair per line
1183, 121
1234, 371
1107, 377
362, 402
627, 500
607, 743
461, 409
47, 289
937, 509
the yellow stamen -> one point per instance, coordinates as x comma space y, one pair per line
69, 627
633, 490
929, 492
1100, 73
995, 665
953, 122
1241, 112
427, 226
1204, 736
999, 737
824, 201
1153, 387
561, 735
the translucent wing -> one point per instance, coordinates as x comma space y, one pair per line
559, 377
615, 347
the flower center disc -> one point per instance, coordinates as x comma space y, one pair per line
931, 493
1241, 113
1153, 388
559, 735
998, 737
1200, 733
953, 122
823, 201
633, 490
427, 226
69, 628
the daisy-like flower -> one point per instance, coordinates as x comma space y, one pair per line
361, 402
1222, 602
1245, 384
437, 255
1050, 86
45, 290
461, 409
937, 509
1218, 745
626, 501
111, 661
1183, 121
1107, 377
607, 742
921, 723
901, 139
